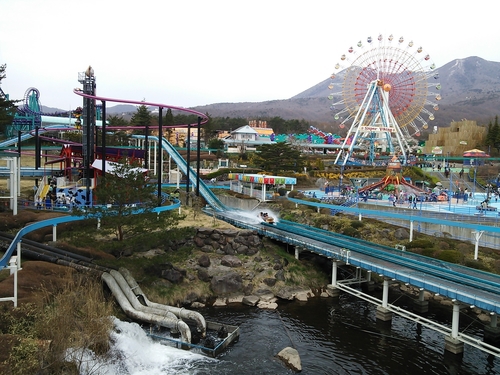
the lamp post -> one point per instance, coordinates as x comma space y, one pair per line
341, 178
474, 181
451, 183
358, 182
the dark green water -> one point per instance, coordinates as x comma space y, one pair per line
342, 337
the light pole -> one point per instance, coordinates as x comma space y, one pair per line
451, 183
358, 182
341, 178
474, 181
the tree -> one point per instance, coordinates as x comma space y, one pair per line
7, 107
168, 120
215, 144
279, 157
142, 117
495, 134
132, 201
208, 130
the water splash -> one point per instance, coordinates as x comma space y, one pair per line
132, 352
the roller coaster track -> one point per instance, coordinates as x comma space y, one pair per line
210, 197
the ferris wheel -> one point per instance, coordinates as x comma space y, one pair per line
389, 92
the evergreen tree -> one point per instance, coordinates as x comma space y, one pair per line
495, 134
132, 201
168, 120
279, 157
142, 118
7, 107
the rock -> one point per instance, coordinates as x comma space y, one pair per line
230, 261
197, 305
401, 234
172, 275
235, 299
198, 241
230, 232
248, 289
290, 357
269, 281
250, 300
267, 305
203, 275
280, 275
242, 249
324, 294
204, 261
219, 302
229, 283
207, 248
302, 296
149, 254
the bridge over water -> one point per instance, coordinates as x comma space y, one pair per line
464, 286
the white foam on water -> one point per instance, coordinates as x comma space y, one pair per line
132, 352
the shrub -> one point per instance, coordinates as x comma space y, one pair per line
351, 232
451, 256
295, 194
356, 224
425, 244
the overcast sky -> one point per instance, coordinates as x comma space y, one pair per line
188, 53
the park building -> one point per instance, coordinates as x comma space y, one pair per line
248, 137
454, 140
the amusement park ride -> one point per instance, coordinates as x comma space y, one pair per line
383, 99
30, 122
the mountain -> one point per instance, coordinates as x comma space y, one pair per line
470, 90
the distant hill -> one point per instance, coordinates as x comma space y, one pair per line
470, 90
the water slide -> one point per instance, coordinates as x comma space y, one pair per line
123, 287
386, 181
209, 196
379, 184
54, 222
205, 191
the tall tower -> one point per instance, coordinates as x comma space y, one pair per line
87, 79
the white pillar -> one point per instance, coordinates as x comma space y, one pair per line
13, 270
411, 230
297, 252
455, 319
477, 235
385, 293
334, 273
421, 294
493, 322
54, 232
19, 255
155, 151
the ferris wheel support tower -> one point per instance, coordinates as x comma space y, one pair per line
373, 126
